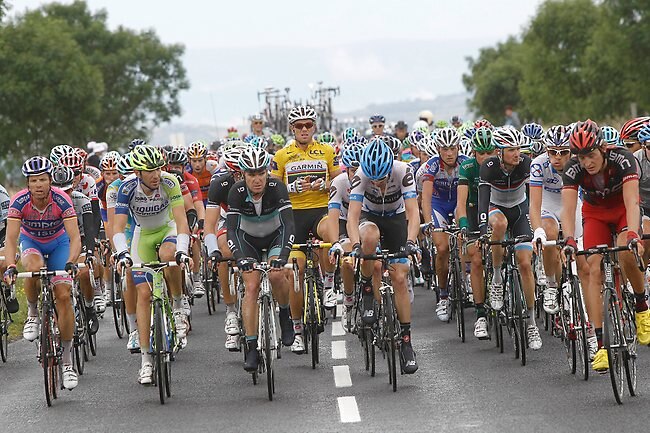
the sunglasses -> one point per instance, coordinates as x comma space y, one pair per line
300, 126
630, 144
258, 122
377, 126
558, 153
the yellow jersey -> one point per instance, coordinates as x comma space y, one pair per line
316, 162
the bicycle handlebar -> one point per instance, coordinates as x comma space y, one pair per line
38, 274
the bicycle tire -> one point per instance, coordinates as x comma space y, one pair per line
568, 333
266, 341
158, 351
580, 322
630, 354
390, 332
117, 302
611, 338
209, 291
46, 352
92, 344
79, 339
5, 320
520, 308
460, 302
312, 318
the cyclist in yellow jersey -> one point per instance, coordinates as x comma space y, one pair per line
307, 168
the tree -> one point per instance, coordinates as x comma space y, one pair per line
49, 92
494, 80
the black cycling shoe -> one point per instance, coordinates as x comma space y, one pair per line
252, 360
12, 302
368, 303
286, 326
93, 323
407, 358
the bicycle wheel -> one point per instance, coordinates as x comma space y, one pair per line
391, 343
118, 307
460, 290
363, 339
313, 321
79, 338
159, 351
629, 331
47, 355
5, 320
568, 332
580, 323
612, 343
267, 354
209, 291
92, 343
519, 311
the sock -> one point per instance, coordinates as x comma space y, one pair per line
641, 304
550, 280
146, 356
197, 276
66, 356
599, 337
480, 311
297, 326
406, 332
366, 284
251, 338
348, 300
328, 281
88, 303
444, 294
32, 309
531, 317
230, 308
497, 277
132, 322
178, 301
284, 311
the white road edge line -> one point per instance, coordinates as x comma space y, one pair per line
348, 409
342, 377
338, 350
337, 329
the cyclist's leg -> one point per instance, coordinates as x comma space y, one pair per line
223, 271
195, 252
32, 260
87, 291
499, 224
441, 242
58, 252
552, 263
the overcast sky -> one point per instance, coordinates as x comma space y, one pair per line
376, 51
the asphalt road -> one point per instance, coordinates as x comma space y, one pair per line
459, 387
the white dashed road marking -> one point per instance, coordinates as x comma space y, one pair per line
348, 409
342, 377
338, 350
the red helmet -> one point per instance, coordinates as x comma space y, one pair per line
82, 153
72, 160
483, 123
585, 137
631, 128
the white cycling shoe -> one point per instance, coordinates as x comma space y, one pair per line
145, 375
134, 341
442, 310
329, 298
199, 290
298, 346
481, 329
30, 330
551, 305
232, 326
181, 323
232, 342
70, 378
534, 339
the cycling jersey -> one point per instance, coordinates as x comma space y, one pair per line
101, 194
193, 186
218, 192
94, 172
603, 190
468, 174
82, 208
41, 225
317, 161
445, 187
269, 217
153, 211
111, 202
5, 199
644, 179
204, 177
88, 187
340, 195
400, 186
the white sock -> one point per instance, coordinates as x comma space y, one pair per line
146, 356
531, 318
32, 309
497, 277
132, 322
230, 308
328, 282
66, 356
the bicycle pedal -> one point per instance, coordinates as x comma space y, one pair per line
135, 350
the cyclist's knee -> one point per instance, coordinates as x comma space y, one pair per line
551, 228
167, 252
499, 224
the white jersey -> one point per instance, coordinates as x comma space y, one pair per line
94, 172
87, 187
4, 208
340, 195
390, 202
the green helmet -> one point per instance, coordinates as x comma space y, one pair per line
326, 138
441, 124
278, 139
147, 158
482, 140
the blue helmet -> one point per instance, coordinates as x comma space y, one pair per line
259, 142
533, 131
359, 140
469, 132
611, 135
557, 136
644, 134
349, 133
377, 159
377, 118
351, 155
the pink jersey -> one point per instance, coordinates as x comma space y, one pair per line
42, 225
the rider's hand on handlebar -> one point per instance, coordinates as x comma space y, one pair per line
336, 248
10, 274
246, 264
278, 264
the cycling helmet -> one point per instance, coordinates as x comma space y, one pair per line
585, 137
465, 147
483, 122
301, 112
109, 161
422, 126
146, 158
447, 137
197, 149
177, 156
351, 155
248, 137
233, 133
557, 136
231, 157
136, 142
254, 159
469, 132
124, 165
82, 153
441, 124
259, 142
278, 139
428, 146
37, 165
72, 160
349, 133
426, 116
257, 117
377, 118
394, 143
644, 134
611, 135
631, 128
532, 130
537, 147
376, 159
508, 138
415, 136
326, 138
58, 151
62, 177
482, 140
456, 119
358, 140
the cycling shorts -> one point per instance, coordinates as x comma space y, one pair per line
555, 216
57, 251
343, 229
306, 221
394, 231
252, 246
144, 247
441, 215
599, 222
518, 222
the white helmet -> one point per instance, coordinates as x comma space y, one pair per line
465, 147
447, 137
301, 112
427, 116
508, 137
421, 125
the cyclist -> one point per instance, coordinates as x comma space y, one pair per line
155, 200
109, 173
643, 158
176, 162
467, 215
5, 199
257, 125
260, 217
456, 121
307, 168
201, 167
215, 241
377, 124
43, 220
439, 187
502, 192
337, 214
608, 179
383, 199
630, 133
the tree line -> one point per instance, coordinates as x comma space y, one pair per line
65, 77
575, 59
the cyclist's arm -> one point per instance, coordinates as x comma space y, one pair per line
535, 206
233, 219
461, 201
200, 209
484, 193
569, 204
89, 227
286, 223
182, 227
97, 222
427, 193
413, 217
11, 241
72, 228
631, 200
354, 214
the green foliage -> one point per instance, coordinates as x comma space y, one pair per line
71, 79
576, 59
